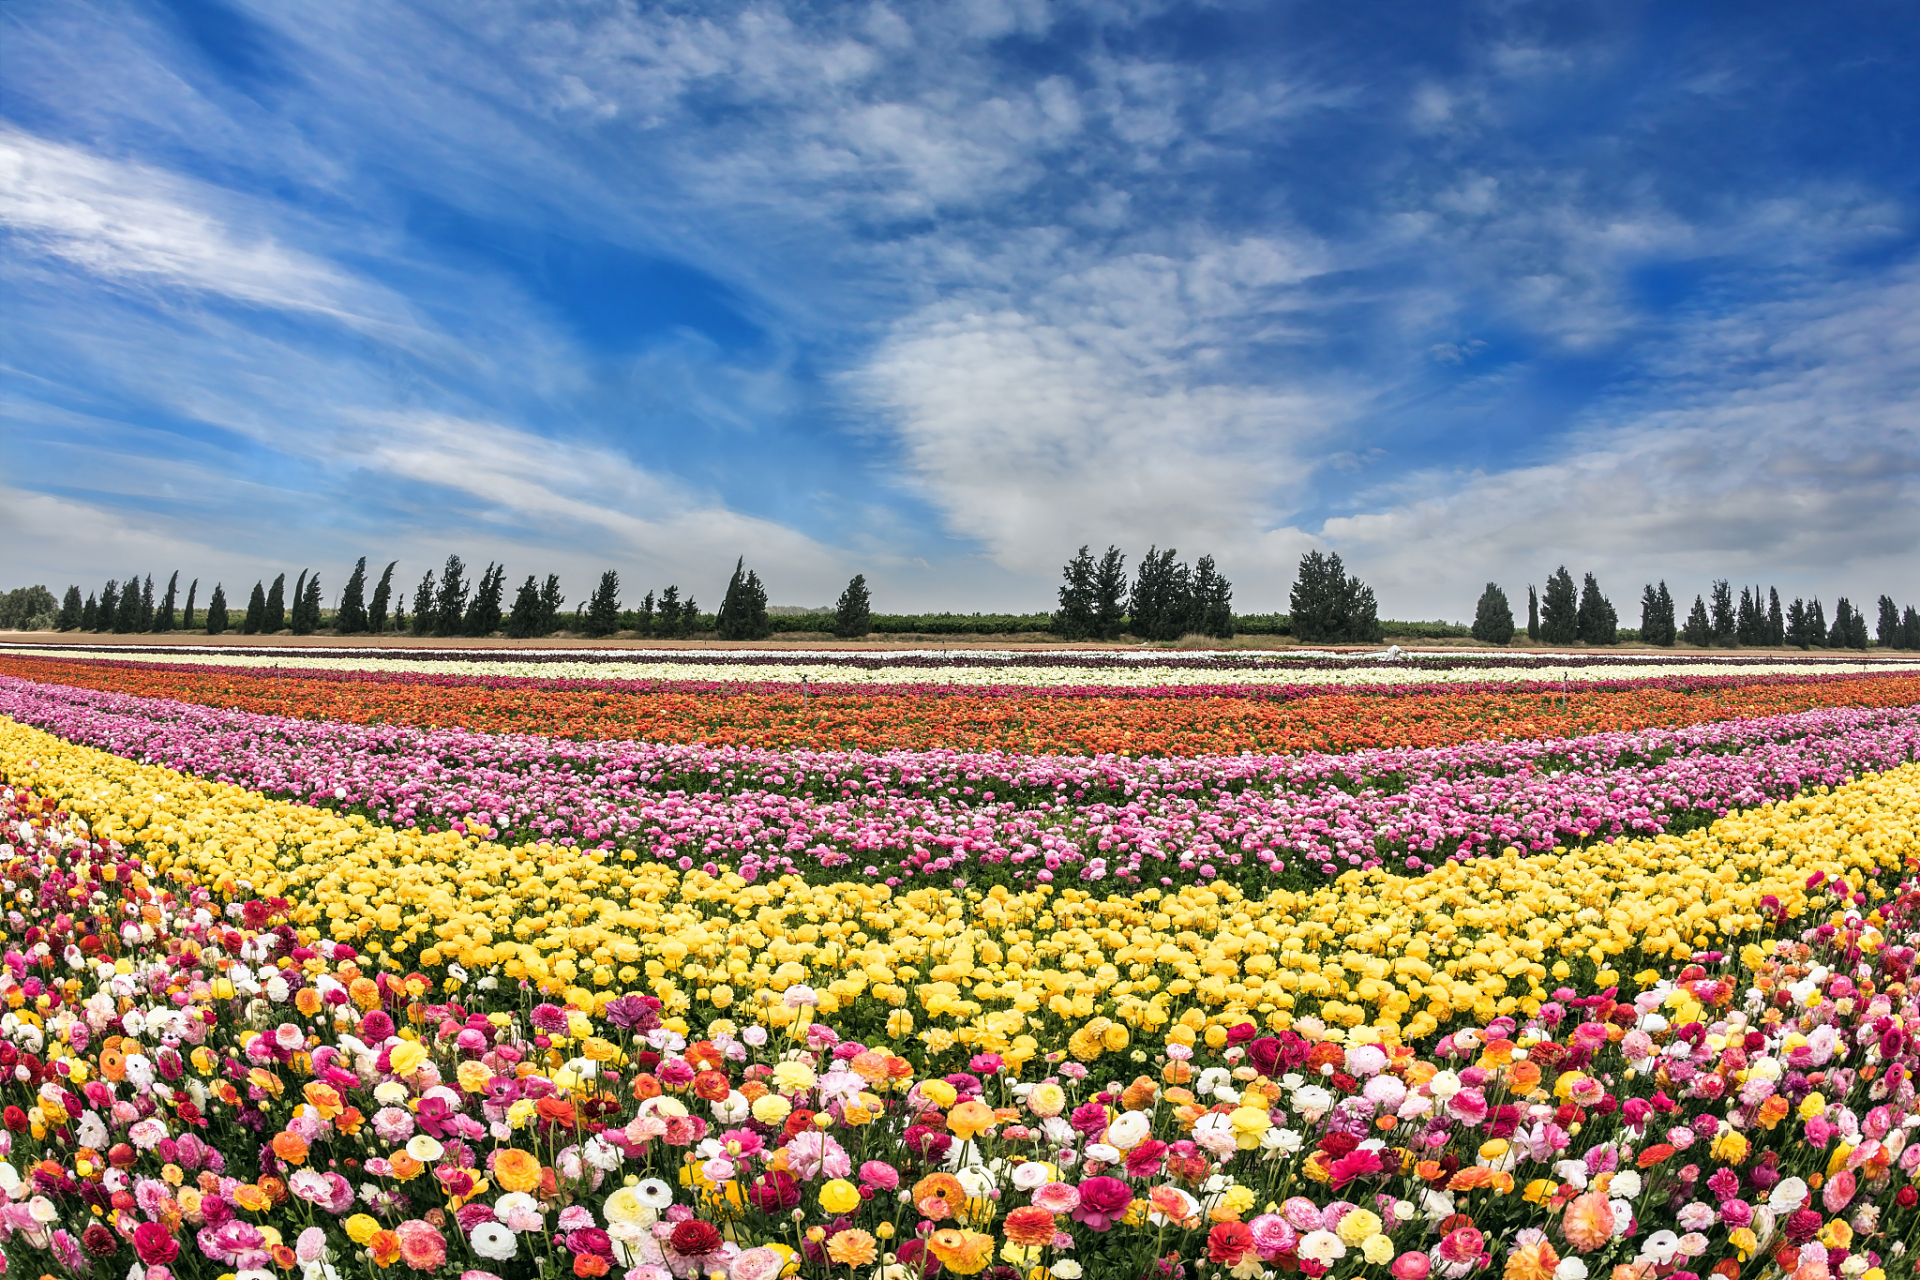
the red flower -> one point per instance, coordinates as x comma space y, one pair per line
99, 1241
694, 1238
154, 1244
16, 1119
1228, 1242
1907, 1198
1658, 1153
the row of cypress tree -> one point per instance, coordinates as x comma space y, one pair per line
1168, 599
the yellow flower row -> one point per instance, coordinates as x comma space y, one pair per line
1389, 956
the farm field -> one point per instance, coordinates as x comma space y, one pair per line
1061, 964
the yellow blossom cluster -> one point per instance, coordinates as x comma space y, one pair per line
1388, 957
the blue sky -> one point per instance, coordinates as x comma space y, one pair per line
937, 293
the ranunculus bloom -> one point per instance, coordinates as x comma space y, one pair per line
1228, 1242
694, 1238
1412, 1265
1029, 1226
154, 1244
1103, 1201
422, 1247
1587, 1223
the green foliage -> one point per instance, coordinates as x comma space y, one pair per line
164, 615
1849, 627
1493, 617
1110, 595
1211, 613
1161, 605
1656, 616
1776, 630
72, 611
382, 597
1726, 628
603, 607
306, 607
109, 605
423, 597
1533, 613
273, 616
90, 614
450, 605
217, 609
743, 610
550, 602
186, 619
1599, 624
1910, 628
523, 623
1699, 628
297, 615
1074, 620
1891, 634
853, 611
483, 618
668, 623
1560, 610
126, 619
1329, 605
30, 609
1749, 618
351, 618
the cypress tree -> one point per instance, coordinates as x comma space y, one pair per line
423, 605
1533, 613
1699, 630
351, 619
644, 622
1747, 625
523, 623
1329, 604
603, 607
297, 612
126, 619
1110, 595
109, 606
1212, 601
256, 611
72, 611
186, 622
1910, 629
89, 614
1857, 630
1597, 621
273, 615
483, 619
1816, 624
1493, 617
670, 613
1725, 629
163, 619
1796, 632
743, 610
217, 610
1890, 633
853, 611
1161, 606
1560, 609
1074, 620
689, 616
1668, 631
382, 596
550, 602
144, 620
309, 607
1840, 636
1656, 616
1776, 629
450, 607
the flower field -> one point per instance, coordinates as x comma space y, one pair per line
499, 973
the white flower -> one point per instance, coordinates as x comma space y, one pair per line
732, 1109
601, 1154
1660, 1247
654, 1193
1065, 1269
1031, 1176
1322, 1247
491, 1240
389, 1093
1128, 1130
1787, 1195
1625, 1186
1570, 1269
1102, 1152
800, 995
1285, 1141
1313, 1101
1444, 1085
424, 1148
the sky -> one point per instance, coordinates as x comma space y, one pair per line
937, 293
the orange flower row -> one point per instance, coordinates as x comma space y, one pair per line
1342, 720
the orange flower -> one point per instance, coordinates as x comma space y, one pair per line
851, 1248
1029, 1226
1532, 1262
963, 1252
589, 1265
711, 1086
940, 1186
290, 1147
385, 1247
323, 1097
250, 1197
113, 1065
557, 1110
1772, 1112
1588, 1222
516, 1170
405, 1167
970, 1119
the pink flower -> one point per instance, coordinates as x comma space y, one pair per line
1838, 1191
1412, 1265
1057, 1197
1103, 1201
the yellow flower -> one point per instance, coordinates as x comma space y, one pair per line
771, 1109
1358, 1225
360, 1228
1812, 1105
938, 1092
406, 1057
839, 1196
1377, 1249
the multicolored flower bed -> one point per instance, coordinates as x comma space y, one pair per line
1009, 719
1508, 983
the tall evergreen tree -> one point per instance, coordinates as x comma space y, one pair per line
1074, 619
423, 596
483, 618
1776, 627
1162, 600
1725, 628
523, 623
1668, 631
1910, 628
643, 620
72, 611
143, 620
1493, 617
382, 597
1328, 604
1656, 616
550, 602
126, 619
297, 609
109, 606
310, 607
1110, 595
690, 620
1212, 609
1597, 621
1533, 613
603, 607
853, 611
1699, 628
743, 610
351, 618
217, 609
163, 617
1841, 634
90, 614
1889, 632
450, 606
1748, 626
273, 606
1796, 632
669, 623
1816, 624
186, 620
1560, 609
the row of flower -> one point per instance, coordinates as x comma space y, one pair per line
901, 817
193, 1087
1281, 676
985, 971
1032, 723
